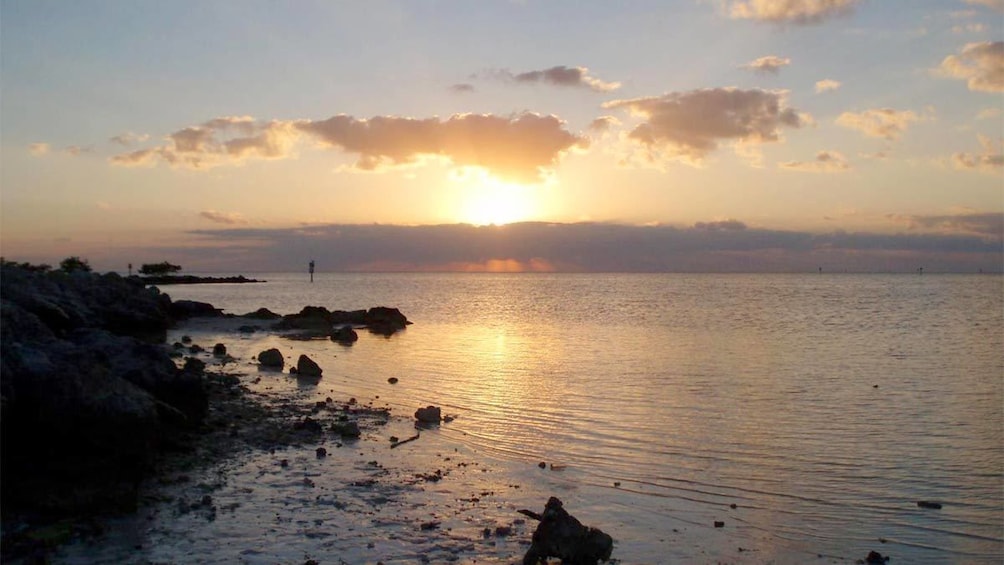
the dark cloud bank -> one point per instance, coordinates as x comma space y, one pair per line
728, 246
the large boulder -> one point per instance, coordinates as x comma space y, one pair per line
271, 358
306, 367
429, 415
185, 309
562, 536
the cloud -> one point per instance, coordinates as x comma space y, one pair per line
980, 64
603, 123
990, 160
690, 125
770, 64
799, 12
462, 88
989, 114
574, 77
826, 85
518, 148
969, 28
716, 246
128, 139
988, 225
995, 4
228, 218
880, 122
39, 149
825, 162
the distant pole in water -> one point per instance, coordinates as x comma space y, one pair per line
920, 271
820, 270
311, 270
130, 269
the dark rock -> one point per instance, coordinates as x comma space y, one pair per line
385, 321
503, 531
185, 309
719, 524
542, 465
429, 415
308, 424
345, 335
262, 314
876, 558
186, 339
306, 367
321, 452
248, 329
929, 504
561, 536
347, 430
392, 380
271, 358
219, 350
429, 526
196, 348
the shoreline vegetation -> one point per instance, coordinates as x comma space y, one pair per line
100, 414
194, 279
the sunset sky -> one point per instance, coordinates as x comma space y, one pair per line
670, 135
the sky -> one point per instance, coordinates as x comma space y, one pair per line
529, 135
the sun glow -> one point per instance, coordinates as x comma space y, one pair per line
488, 200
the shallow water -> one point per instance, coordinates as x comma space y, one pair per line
824, 407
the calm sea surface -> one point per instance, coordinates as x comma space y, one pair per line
823, 406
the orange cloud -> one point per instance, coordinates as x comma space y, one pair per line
789, 11
575, 77
826, 85
771, 64
991, 160
980, 64
689, 125
881, 122
516, 148
825, 162
228, 218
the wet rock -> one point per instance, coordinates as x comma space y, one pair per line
429, 415
271, 358
385, 321
347, 430
875, 558
186, 339
392, 380
196, 348
262, 314
542, 465
219, 350
719, 524
308, 424
321, 452
345, 335
248, 329
305, 366
929, 504
185, 309
562, 536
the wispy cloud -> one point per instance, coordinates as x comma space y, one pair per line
826, 85
990, 160
574, 77
690, 125
39, 149
995, 4
128, 139
825, 162
516, 148
801, 12
987, 225
227, 218
462, 88
885, 123
980, 64
771, 64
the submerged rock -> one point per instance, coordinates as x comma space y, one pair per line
345, 335
561, 536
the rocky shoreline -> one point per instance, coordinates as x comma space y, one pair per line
194, 279
95, 403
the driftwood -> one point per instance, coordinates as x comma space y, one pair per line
560, 535
403, 441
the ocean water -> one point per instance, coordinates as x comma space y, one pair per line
823, 407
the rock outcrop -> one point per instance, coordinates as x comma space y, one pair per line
560, 535
271, 358
86, 404
306, 367
321, 321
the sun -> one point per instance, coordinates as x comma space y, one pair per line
488, 200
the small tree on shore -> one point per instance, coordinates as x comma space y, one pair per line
159, 269
72, 264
